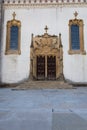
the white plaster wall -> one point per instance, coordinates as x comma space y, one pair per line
16, 67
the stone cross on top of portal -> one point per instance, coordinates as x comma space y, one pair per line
46, 28
14, 14
75, 14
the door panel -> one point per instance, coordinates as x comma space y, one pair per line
51, 67
40, 67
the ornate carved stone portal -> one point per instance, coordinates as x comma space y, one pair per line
46, 57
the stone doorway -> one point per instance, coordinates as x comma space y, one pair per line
46, 57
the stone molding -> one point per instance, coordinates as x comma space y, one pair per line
44, 3
46, 45
11, 23
80, 23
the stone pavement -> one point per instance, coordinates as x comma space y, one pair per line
43, 109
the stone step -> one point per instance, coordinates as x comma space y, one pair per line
44, 85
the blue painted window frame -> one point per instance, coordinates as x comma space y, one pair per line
14, 37
75, 37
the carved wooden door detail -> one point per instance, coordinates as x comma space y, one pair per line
40, 67
51, 67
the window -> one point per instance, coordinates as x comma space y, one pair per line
75, 41
13, 36
76, 37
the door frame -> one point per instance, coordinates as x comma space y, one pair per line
46, 45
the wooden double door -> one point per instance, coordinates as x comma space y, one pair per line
46, 67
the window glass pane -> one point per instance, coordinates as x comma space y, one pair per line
14, 38
75, 41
